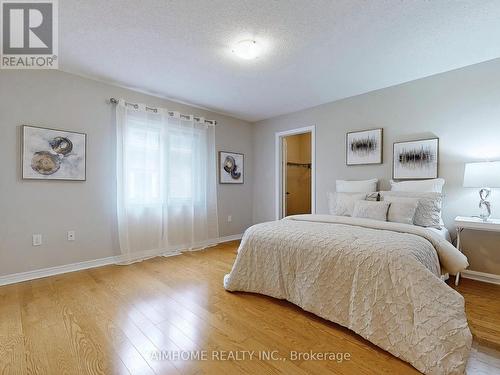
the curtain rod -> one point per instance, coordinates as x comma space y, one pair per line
170, 113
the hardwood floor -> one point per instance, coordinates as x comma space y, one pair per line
130, 319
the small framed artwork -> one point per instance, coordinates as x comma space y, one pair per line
364, 147
416, 160
231, 167
51, 154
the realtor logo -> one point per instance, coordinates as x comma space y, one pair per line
29, 34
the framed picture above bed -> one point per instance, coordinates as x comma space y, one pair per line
231, 168
416, 160
364, 147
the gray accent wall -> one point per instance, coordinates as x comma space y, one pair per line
59, 100
461, 107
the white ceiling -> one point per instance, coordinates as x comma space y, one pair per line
317, 51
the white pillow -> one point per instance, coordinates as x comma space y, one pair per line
344, 203
401, 210
365, 186
332, 200
371, 210
422, 186
428, 213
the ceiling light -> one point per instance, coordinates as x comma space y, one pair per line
247, 49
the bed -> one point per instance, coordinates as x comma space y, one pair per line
380, 279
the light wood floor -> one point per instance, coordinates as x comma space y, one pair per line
115, 319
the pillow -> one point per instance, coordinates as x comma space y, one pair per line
401, 210
422, 186
428, 213
365, 186
371, 210
344, 203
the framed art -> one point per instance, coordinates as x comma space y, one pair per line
231, 168
364, 147
52, 154
416, 160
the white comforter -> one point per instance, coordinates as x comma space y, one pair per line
380, 279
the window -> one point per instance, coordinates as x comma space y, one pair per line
166, 186
156, 174
144, 163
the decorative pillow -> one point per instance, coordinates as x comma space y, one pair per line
421, 186
365, 186
332, 200
371, 210
428, 213
401, 210
344, 203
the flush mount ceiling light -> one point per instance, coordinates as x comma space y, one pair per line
247, 49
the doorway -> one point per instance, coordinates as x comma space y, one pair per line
295, 172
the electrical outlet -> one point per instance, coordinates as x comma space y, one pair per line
71, 235
229, 218
37, 239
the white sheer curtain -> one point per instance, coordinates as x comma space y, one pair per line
166, 182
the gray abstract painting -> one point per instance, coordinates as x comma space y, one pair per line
51, 154
416, 159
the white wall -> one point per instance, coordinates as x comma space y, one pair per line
60, 100
461, 107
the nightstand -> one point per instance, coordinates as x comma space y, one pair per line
473, 223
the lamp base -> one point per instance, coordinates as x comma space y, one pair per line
485, 205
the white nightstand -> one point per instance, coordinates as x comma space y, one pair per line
473, 223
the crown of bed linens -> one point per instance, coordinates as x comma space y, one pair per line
450, 257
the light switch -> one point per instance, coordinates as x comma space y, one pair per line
71, 235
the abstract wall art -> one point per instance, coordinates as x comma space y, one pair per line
50, 154
416, 160
231, 167
364, 147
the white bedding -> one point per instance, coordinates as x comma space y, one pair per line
380, 279
443, 232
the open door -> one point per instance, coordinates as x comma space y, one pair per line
295, 172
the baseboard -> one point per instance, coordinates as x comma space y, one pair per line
481, 276
51, 271
57, 270
234, 237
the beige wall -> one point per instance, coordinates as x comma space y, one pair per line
461, 107
60, 100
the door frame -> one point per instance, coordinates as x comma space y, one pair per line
278, 196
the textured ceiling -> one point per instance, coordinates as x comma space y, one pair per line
316, 51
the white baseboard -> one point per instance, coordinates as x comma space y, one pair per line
57, 270
234, 237
51, 271
481, 276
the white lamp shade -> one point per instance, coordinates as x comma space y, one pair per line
482, 175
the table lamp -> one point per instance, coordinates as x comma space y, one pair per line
483, 175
